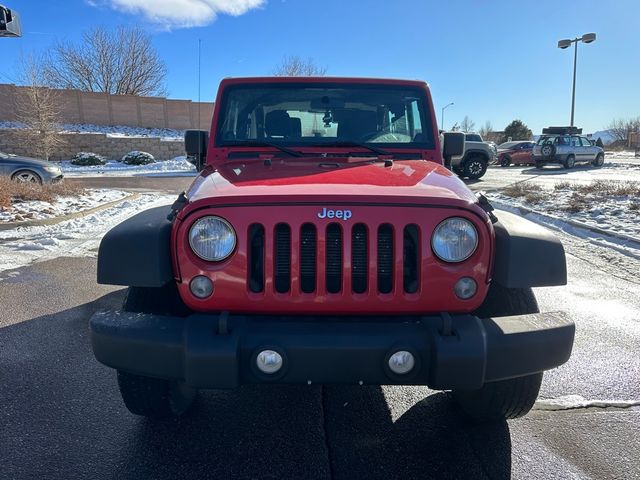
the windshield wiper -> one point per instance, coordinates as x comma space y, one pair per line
350, 143
262, 143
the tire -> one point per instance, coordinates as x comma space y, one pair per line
569, 162
499, 401
548, 150
599, 161
475, 167
504, 399
539, 164
505, 161
155, 397
26, 176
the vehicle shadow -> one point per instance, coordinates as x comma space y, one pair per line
64, 417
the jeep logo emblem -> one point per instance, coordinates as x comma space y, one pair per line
340, 214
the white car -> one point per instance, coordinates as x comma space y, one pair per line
566, 150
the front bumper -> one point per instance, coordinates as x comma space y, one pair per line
219, 351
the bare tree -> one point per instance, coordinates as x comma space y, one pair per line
38, 108
486, 130
294, 66
467, 125
621, 128
121, 62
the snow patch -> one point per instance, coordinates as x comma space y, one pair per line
39, 210
77, 237
178, 166
570, 402
165, 134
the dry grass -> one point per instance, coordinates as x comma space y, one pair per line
530, 192
11, 192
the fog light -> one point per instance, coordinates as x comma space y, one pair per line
465, 288
269, 361
401, 362
201, 286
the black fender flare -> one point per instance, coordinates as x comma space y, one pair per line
526, 254
473, 152
137, 252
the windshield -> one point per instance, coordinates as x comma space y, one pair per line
313, 114
3, 155
473, 137
507, 145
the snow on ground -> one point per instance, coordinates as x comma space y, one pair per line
39, 210
78, 237
178, 166
616, 214
167, 134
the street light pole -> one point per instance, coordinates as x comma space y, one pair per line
442, 115
586, 38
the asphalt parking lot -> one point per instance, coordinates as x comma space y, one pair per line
62, 417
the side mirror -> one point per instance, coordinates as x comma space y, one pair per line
9, 23
195, 144
453, 146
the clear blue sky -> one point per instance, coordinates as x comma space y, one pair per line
496, 59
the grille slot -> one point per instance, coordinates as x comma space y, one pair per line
256, 258
385, 258
334, 258
282, 258
411, 259
308, 252
359, 258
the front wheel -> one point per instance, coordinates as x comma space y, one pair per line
26, 176
475, 167
599, 161
569, 162
502, 400
154, 397
505, 161
147, 396
539, 164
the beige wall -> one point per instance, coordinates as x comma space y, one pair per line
13, 141
104, 109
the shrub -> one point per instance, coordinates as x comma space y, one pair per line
11, 191
138, 158
85, 159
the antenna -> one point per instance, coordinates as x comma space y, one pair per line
199, 102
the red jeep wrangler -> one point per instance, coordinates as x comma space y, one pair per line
324, 241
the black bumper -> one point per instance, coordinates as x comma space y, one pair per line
211, 351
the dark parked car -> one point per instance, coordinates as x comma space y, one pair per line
515, 153
25, 169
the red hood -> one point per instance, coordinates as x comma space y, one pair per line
286, 181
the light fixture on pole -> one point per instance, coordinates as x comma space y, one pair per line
586, 38
442, 115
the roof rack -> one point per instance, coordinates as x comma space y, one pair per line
562, 131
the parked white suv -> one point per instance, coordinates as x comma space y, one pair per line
566, 148
475, 159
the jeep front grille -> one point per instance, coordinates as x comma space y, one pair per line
347, 264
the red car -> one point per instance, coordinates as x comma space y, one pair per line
324, 241
515, 153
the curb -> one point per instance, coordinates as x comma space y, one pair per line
574, 223
62, 218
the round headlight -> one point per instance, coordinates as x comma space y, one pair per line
212, 238
454, 240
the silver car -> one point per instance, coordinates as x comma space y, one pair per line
25, 169
566, 150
